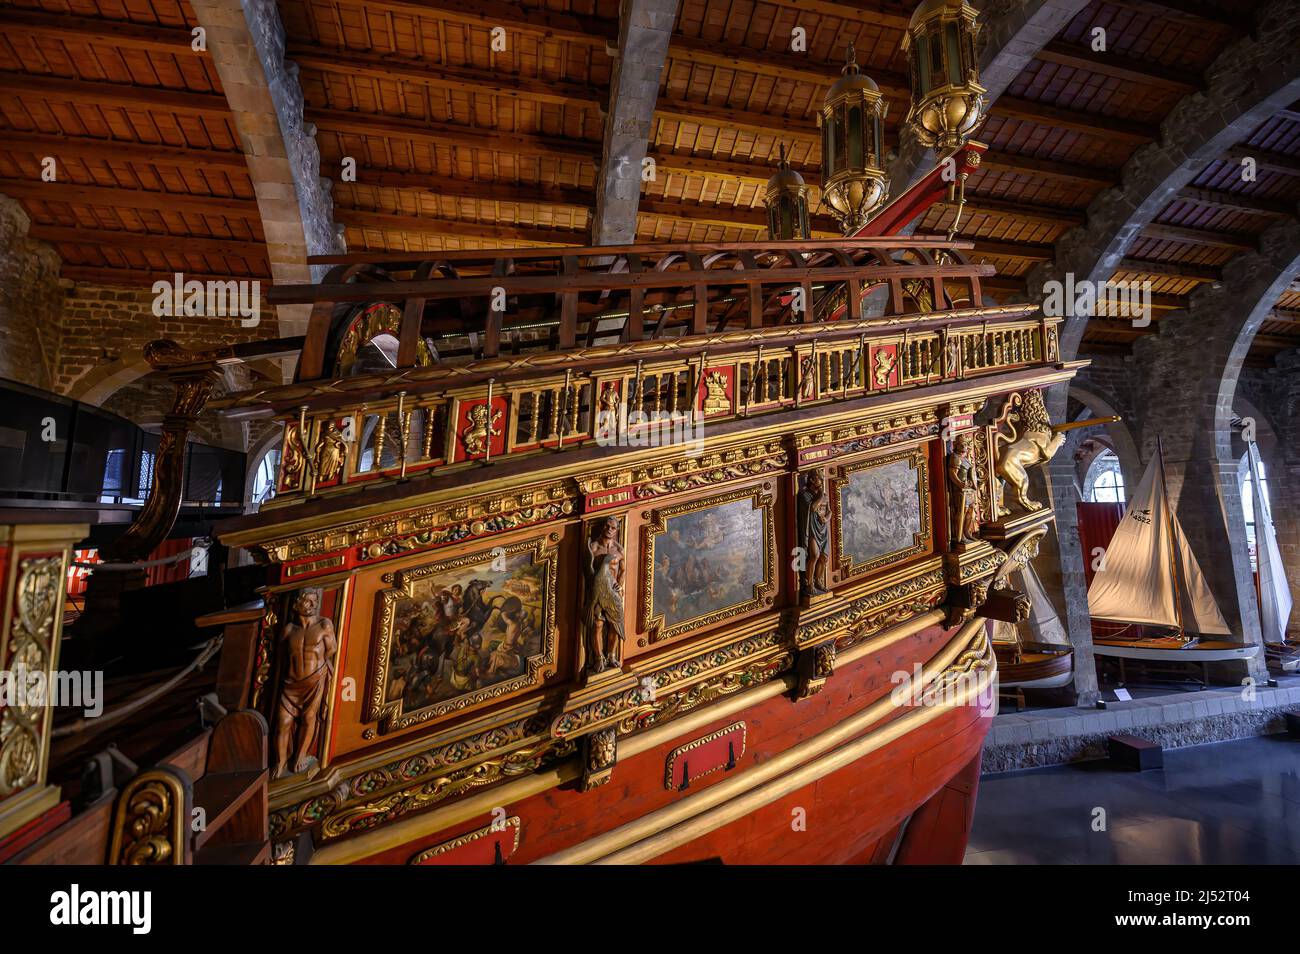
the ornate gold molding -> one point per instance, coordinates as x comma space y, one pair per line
150, 820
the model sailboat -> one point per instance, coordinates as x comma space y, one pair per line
1149, 577
1044, 660
1274, 591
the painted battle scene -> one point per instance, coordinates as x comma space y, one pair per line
465, 629
880, 511
707, 561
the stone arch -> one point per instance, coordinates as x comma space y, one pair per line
247, 44
1250, 81
1119, 434
100, 383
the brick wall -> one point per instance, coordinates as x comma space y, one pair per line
86, 341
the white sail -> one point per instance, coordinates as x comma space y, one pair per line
1044, 624
1274, 592
1138, 581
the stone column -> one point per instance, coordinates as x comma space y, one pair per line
1187, 414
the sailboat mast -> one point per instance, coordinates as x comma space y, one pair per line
1173, 540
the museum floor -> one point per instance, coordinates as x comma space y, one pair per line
1225, 803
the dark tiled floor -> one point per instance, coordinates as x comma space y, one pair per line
1229, 803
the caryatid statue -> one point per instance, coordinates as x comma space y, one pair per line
602, 609
308, 645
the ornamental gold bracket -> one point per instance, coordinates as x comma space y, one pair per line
815, 664
599, 756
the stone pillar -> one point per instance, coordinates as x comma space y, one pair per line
1060, 567
1187, 413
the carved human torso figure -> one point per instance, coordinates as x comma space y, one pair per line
308, 645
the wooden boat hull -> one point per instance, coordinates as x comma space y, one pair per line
1283, 657
827, 779
1217, 650
1039, 666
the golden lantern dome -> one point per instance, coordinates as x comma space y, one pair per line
947, 100
787, 204
852, 119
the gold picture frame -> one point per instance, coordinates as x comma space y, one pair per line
652, 622
843, 478
411, 584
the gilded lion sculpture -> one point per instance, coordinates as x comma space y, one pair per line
1033, 446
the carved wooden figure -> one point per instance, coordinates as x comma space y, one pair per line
963, 493
308, 645
602, 609
814, 534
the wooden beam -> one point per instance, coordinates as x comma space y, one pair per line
122, 198
515, 17
1091, 124
1265, 160
1143, 266
1186, 236
1024, 251
1000, 161
1190, 12
131, 277
96, 30
426, 225
450, 134
1048, 215
203, 245
484, 191
113, 150
447, 76
81, 92
1237, 202
1083, 57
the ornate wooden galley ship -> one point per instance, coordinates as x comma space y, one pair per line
651, 553
508, 622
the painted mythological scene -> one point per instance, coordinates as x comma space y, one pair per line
707, 561
880, 511
466, 629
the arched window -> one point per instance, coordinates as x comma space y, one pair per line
1248, 501
1104, 482
264, 477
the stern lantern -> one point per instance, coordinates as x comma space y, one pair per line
947, 99
787, 204
853, 148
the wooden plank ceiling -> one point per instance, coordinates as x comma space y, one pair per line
458, 145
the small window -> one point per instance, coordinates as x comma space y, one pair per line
1104, 482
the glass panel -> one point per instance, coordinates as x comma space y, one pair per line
828, 147
923, 66
855, 137
936, 62
954, 54
877, 141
